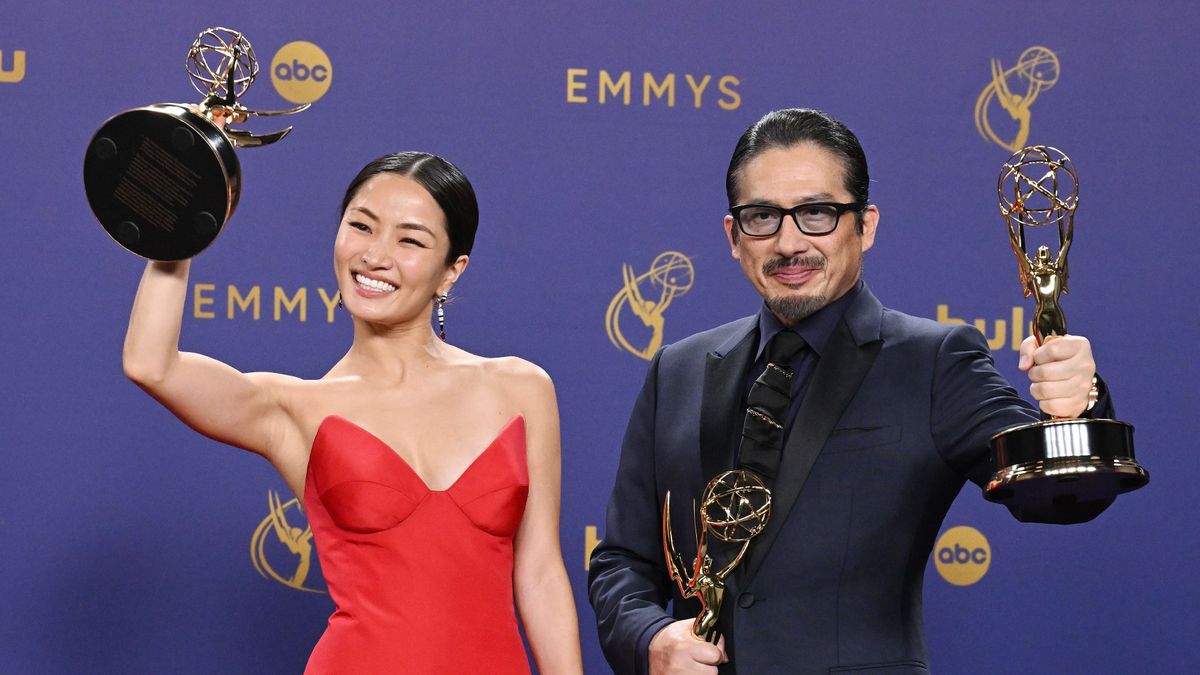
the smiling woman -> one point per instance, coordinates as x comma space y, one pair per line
430, 475
408, 224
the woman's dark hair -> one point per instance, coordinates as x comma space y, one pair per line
444, 182
794, 126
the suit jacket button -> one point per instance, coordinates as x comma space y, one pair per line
745, 600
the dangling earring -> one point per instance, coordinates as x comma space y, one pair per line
340, 305
441, 316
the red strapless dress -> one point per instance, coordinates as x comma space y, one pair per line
421, 579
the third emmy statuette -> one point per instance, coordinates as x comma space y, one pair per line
163, 179
735, 509
1059, 470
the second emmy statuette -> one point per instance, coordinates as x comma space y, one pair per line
1059, 470
735, 508
163, 179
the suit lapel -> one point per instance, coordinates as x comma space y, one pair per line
836, 379
724, 376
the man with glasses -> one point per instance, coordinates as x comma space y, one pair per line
864, 422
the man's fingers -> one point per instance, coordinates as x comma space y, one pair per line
1058, 371
675, 650
708, 654
1073, 389
1063, 407
1066, 348
1028, 346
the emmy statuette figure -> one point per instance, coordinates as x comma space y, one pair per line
1059, 470
735, 508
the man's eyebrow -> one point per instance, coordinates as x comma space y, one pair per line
814, 197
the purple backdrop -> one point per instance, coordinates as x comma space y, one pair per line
126, 539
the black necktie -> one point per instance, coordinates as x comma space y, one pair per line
767, 407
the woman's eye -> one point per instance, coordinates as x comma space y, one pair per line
410, 240
359, 226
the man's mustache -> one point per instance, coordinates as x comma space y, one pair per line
811, 261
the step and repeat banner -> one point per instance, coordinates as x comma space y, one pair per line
597, 137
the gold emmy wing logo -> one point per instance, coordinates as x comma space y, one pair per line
16, 73
1016, 89
277, 539
670, 275
962, 555
301, 72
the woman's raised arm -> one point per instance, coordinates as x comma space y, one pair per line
244, 410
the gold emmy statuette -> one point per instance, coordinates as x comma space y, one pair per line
163, 180
1059, 470
735, 508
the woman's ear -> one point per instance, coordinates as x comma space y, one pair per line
453, 272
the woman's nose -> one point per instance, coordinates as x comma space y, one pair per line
375, 254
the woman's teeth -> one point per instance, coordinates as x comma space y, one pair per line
373, 284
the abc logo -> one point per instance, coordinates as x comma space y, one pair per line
301, 72
962, 555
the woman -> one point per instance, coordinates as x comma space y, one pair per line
430, 476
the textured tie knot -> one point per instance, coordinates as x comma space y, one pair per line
767, 406
776, 376
783, 347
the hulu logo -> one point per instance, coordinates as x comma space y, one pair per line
1002, 331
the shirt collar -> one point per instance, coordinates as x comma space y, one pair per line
814, 328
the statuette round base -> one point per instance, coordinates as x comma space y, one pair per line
1063, 471
162, 180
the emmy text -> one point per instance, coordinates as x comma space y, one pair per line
208, 302
608, 88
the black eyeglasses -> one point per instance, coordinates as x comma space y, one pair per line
815, 218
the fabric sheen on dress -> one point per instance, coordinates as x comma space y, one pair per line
421, 579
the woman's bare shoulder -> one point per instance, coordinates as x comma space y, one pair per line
515, 371
521, 379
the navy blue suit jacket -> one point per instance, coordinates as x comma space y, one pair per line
897, 416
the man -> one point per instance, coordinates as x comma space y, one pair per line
884, 418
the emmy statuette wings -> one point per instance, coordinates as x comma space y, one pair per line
1060, 470
163, 179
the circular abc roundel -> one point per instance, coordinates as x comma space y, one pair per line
962, 555
301, 72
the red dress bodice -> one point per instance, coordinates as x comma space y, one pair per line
421, 579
